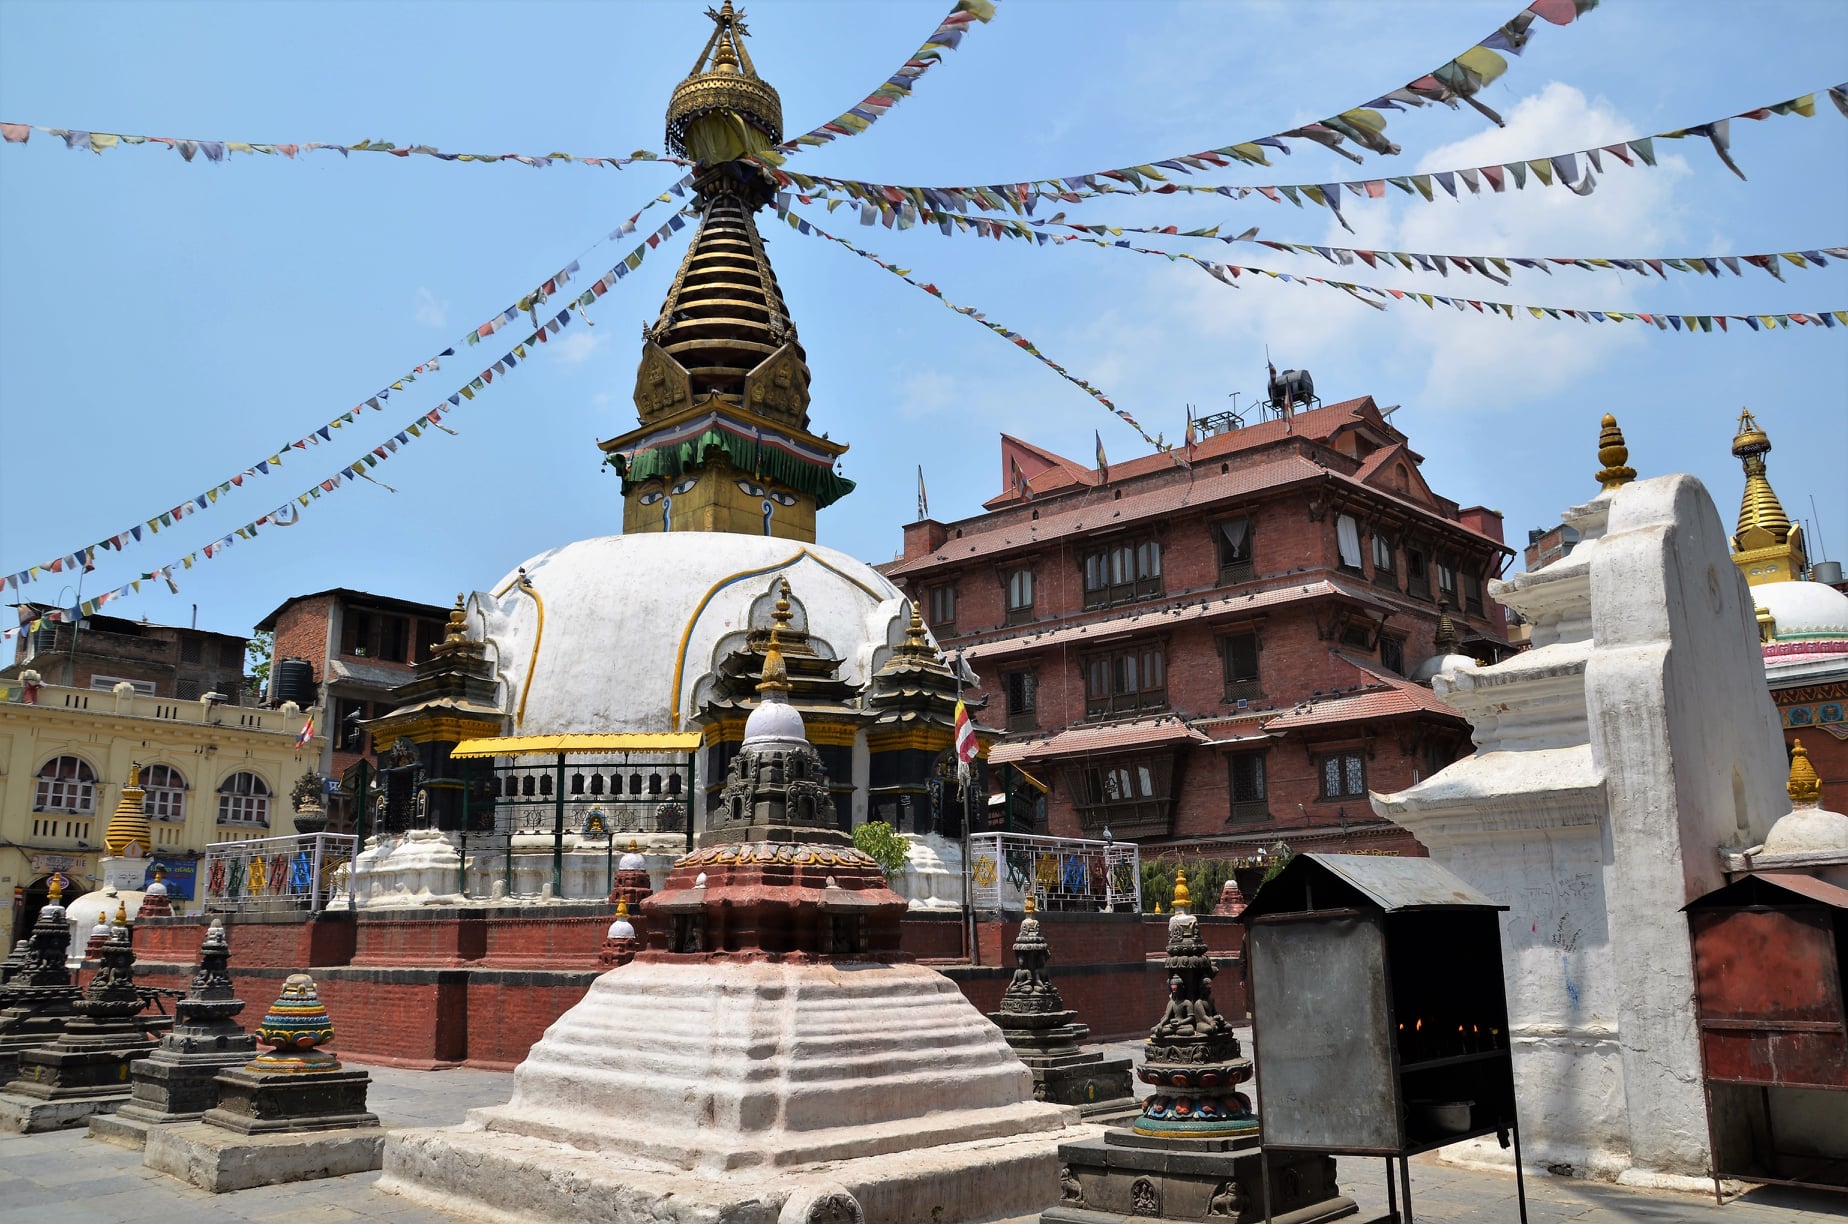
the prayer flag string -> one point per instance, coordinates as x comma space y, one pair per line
85, 559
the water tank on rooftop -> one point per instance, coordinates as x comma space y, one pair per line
1294, 387
294, 682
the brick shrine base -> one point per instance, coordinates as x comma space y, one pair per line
477, 987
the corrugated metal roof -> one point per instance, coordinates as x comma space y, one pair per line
1740, 890
1402, 883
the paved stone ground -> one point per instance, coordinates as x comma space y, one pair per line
66, 1178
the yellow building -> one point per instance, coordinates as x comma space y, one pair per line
211, 772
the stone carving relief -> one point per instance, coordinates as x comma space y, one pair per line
661, 383
779, 385
1144, 1199
1070, 1190
829, 1204
1228, 1200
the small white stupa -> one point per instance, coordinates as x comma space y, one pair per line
129, 842
1810, 839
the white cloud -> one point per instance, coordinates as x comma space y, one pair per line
576, 348
432, 311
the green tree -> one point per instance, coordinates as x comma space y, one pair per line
257, 654
879, 840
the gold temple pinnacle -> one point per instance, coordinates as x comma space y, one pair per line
1032, 906
1805, 785
1614, 454
1183, 901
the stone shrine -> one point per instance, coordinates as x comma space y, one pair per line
631, 883
296, 1085
770, 1051
1047, 1036
177, 1082
84, 1070
621, 943
1615, 762
37, 998
14, 962
1193, 1151
128, 842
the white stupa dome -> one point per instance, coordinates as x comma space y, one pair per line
1812, 830
774, 720
1804, 610
1439, 664
617, 634
632, 860
622, 928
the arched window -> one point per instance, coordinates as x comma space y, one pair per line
67, 785
243, 799
166, 793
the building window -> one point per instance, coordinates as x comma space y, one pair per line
1019, 596
165, 793
1239, 652
1126, 681
356, 632
1022, 694
1233, 538
1132, 796
1417, 581
1382, 561
1121, 572
187, 689
1472, 593
190, 650
1343, 775
66, 785
394, 639
943, 610
1246, 786
1392, 654
1447, 583
144, 688
244, 799
1347, 542
231, 654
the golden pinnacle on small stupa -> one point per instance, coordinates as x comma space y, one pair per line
1805, 785
1183, 901
635, 847
121, 918
54, 888
1614, 454
622, 907
1032, 907
776, 672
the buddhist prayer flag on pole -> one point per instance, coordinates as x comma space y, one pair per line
307, 733
1019, 479
965, 739
923, 501
1103, 460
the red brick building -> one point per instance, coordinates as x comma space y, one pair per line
357, 647
1217, 657
99, 652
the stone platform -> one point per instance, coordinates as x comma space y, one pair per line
24, 1115
1124, 1177
213, 1158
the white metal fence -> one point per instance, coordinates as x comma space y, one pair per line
1063, 873
274, 873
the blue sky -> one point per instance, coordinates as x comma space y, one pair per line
165, 324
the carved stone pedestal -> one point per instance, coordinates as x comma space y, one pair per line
267, 1103
1125, 1176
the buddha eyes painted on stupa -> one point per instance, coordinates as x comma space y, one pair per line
652, 496
685, 486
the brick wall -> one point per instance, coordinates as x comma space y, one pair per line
301, 633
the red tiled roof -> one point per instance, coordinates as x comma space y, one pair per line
1110, 737
1092, 514
1395, 697
1207, 608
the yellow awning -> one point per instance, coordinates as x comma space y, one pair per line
551, 745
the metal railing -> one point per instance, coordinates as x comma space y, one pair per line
274, 873
1063, 873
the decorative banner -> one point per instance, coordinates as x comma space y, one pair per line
220, 150
84, 558
1495, 267
946, 37
1459, 80
1574, 170
289, 512
804, 226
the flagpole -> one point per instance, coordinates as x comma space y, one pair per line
966, 777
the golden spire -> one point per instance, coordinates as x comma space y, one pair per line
776, 674
1446, 640
54, 888
1183, 901
622, 907
723, 110
635, 847
1767, 547
1613, 454
458, 627
129, 826
1032, 908
121, 918
1805, 786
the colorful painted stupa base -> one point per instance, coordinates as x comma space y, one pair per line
296, 1086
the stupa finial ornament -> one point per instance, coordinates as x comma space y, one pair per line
128, 832
723, 109
1767, 546
1614, 454
776, 672
1183, 900
1805, 785
1446, 640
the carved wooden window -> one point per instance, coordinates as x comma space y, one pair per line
1447, 582
1131, 795
1417, 578
1019, 596
1239, 652
1022, 699
1347, 542
943, 610
1342, 775
1122, 571
66, 785
1245, 786
1383, 561
1126, 681
1392, 654
1472, 592
1233, 539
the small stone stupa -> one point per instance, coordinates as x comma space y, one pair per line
85, 1069
38, 997
1809, 838
1192, 1154
15, 961
620, 944
296, 1086
1047, 1036
630, 882
176, 1083
771, 1054
128, 843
